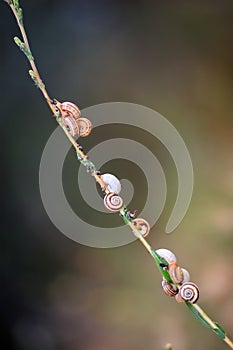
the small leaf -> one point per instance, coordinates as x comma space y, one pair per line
220, 331
198, 315
16, 4
23, 47
162, 265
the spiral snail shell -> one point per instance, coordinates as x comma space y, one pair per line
167, 255
188, 292
176, 273
71, 109
143, 226
113, 202
72, 125
169, 289
85, 127
112, 183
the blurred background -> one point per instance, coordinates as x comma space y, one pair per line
174, 57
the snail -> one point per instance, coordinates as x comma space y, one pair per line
71, 125
188, 292
176, 273
113, 202
186, 275
71, 109
112, 183
167, 255
169, 289
142, 226
85, 127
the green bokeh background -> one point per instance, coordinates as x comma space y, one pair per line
174, 57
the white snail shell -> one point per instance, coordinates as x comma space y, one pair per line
85, 127
71, 109
113, 202
167, 255
188, 292
72, 125
169, 289
186, 275
176, 273
143, 226
112, 183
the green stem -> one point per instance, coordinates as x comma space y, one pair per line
34, 73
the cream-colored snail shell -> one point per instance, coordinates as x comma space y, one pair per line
188, 292
186, 275
176, 273
112, 183
85, 127
167, 255
71, 109
143, 226
72, 125
169, 289
113, 202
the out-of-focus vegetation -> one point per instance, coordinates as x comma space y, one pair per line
175, 57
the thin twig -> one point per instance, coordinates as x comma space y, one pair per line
83, 157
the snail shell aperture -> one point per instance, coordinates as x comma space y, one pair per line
112, 183
143, 226
186, 275
167, 255
188, 292
72, 125
113, 202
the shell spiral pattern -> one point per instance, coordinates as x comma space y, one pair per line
71, 109
85, 127
169, 289
113, 202
189, 292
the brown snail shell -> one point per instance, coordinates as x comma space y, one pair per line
167, 255
71, 109
113, 202
71, 125
188, 292
169, 289
176, 273
85, 127
143, 226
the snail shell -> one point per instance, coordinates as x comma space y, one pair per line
142, 226
85, 127
169, 289
113, 202
186, 275
176, 273
72, 125
188, 292
71, 109
112, 183
167, 255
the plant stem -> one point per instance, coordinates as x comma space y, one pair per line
31, 61
211, 323
83, 156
